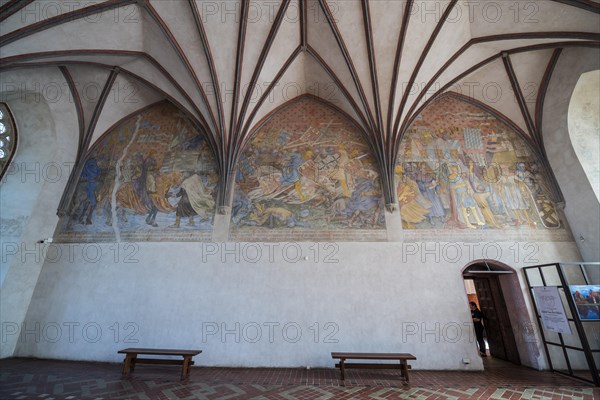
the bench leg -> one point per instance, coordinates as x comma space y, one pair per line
128, 362
185, 369
343, 369
404, 370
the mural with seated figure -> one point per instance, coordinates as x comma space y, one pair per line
150, 178
307, 173
460, 167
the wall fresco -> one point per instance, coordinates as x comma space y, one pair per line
306, 170
462, 168
151, 178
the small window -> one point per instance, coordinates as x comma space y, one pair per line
8, 138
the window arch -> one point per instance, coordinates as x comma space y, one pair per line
584, 125
8, 138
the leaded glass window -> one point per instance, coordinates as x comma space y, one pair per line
8, 138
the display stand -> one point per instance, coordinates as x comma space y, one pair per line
570, 330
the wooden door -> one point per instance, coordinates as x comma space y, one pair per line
498, 328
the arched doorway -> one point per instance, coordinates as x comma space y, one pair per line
493, 283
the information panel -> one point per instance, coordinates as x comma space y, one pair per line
551, 309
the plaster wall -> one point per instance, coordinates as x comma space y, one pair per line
582, 208
584, 126
34, 182
257, 304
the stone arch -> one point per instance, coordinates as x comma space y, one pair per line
307, 172
584, 125
463, 166
141, 178
520, 314
581, 204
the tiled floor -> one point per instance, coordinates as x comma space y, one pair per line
24, 379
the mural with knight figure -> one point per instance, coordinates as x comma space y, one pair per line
307, 174
462, 168
150, 178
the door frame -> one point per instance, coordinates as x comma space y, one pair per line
519, 309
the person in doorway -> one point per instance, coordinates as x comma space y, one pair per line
477, 317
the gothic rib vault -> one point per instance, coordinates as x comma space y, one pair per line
228, 64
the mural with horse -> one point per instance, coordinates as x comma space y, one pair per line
141, 179
307, 168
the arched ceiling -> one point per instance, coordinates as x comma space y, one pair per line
229, 63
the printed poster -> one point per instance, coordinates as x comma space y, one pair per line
587, 301
551, 309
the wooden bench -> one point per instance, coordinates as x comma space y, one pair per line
402, 357
131, 359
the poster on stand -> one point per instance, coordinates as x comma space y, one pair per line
551, 309
587, 301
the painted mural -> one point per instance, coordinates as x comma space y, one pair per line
462, 168
307, 169
151, 178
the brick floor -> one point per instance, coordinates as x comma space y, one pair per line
24, 379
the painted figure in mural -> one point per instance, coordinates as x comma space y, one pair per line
461, 194
516, 196
448, 148
146, 186
195, 199
325, 160
429, 188
274, 216
339, 172
531, 174
85, 196
482, 195
126, 197
130, 171
291, 174
364, 203
294, 176
246, 168
413, 205
240, 207
486, 175
142, 160
144, 194
490, 176
128, 193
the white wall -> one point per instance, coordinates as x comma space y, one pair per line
401, 296
582, 208
34, 182
584, 126
389, 297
